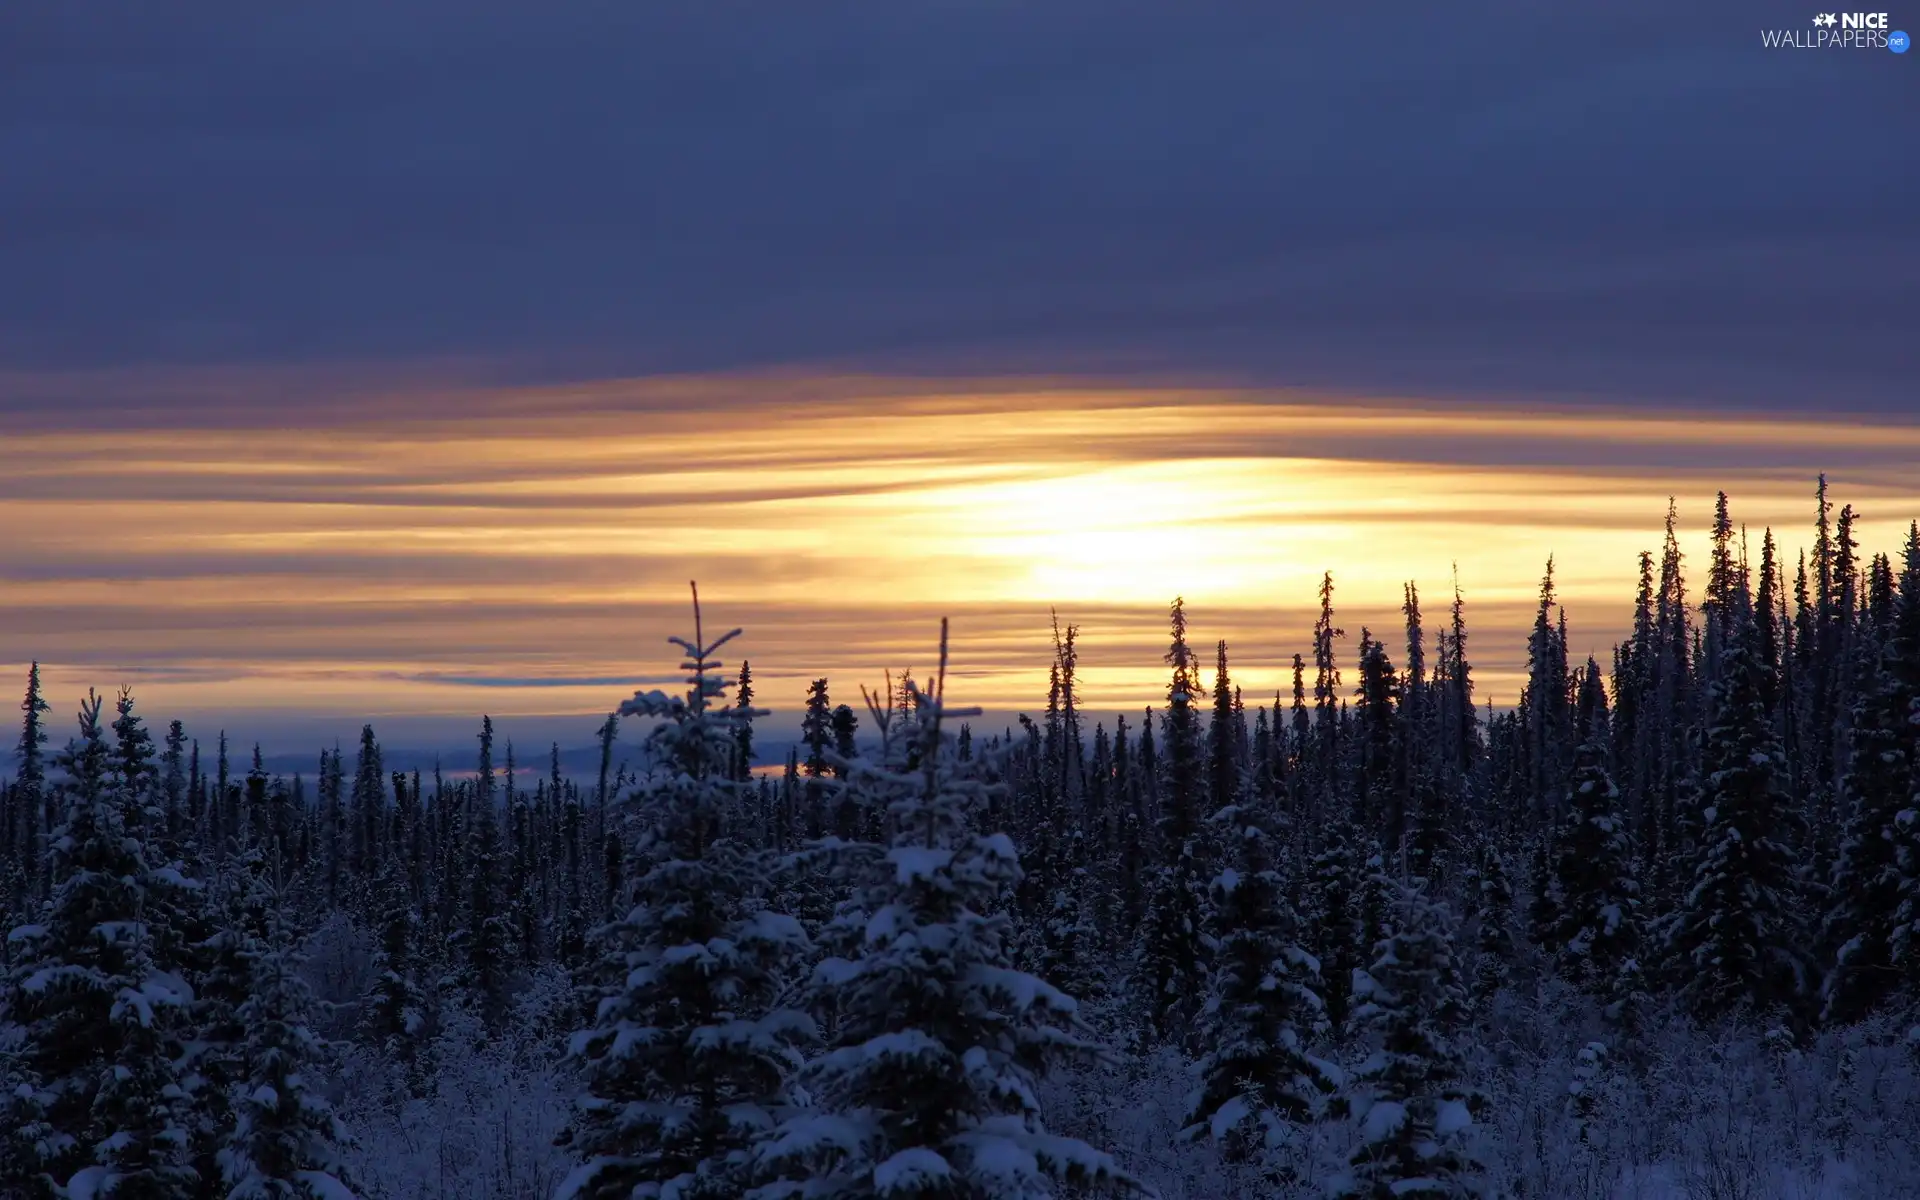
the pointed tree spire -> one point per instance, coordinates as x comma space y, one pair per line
30, 797
689, 1056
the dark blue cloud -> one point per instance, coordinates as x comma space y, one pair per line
1626, 198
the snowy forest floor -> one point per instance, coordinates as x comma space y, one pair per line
1724, 1115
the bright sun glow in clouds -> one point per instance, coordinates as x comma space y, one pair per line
454, 566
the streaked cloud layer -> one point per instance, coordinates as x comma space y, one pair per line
526, 551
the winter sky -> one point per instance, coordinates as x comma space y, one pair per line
404, 359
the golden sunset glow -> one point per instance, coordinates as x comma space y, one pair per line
529, 551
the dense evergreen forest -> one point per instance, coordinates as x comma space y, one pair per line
1655, 931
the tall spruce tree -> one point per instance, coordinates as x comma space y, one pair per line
1411, 1097
174, 781
1380, 785
816, 733
1870, 876
1170, 973
928, 1089
97, 1102
1599, 895
1737, 934
133, 762
30, 799
1905, 643
743, 735
1223, 754
1326, 688
1544, 705
1492, 896
487, 934
333, 826
286, 1141
395, 1017
215, 1061
1258, 1083
689, 1058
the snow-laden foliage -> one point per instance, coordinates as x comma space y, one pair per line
1737, 790
1411, 1095
94, 1074
927, 1088
1737, 937
1598, 894
1877, 863
398, 1013
1259, 1080
286, 1139
689, 1056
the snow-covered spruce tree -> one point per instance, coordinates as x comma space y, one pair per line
1493, 923
1377, 902
366, 812
1737, 939
1380, 784
1069, 941
1586, 1090
1410, 1096
394, 1019
140, 1107
487, 937
172, 900
1333, 916
95, 1094
1869, 877
1905, 936
286, 1141
1258, 1084
1170, 971
142, 1099
1625, 1003
29, 788
1543, 901
521, 862
1599, 896
743, 730
133, 763
690, 1057
929, 1088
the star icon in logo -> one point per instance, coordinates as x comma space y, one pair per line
1826, 19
